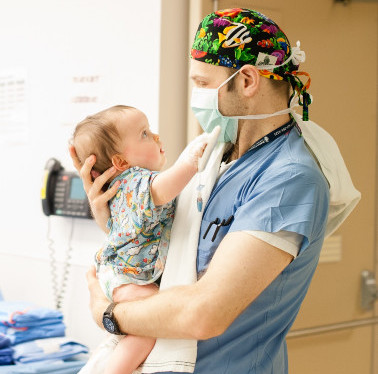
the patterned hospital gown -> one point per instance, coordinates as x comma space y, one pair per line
137, 244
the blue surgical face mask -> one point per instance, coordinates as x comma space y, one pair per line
204, 104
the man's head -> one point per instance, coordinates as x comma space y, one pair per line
118, 136
233, 38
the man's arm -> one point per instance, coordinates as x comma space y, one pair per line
242, 267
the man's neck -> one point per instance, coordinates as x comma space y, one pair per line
250, 131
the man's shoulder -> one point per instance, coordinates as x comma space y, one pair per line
293, 159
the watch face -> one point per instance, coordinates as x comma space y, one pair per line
108, 324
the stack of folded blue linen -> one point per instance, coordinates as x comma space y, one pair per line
22, 321
71, 366
6, 353
47, 349
35, 341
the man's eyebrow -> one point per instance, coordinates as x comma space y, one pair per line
197, 77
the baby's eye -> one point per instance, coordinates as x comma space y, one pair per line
144, 134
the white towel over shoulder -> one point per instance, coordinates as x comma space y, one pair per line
180, 269
343, 195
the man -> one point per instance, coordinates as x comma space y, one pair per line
264, 223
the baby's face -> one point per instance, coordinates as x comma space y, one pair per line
140, 147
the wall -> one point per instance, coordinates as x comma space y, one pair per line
174, 61
118, 43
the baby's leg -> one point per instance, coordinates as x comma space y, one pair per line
132, 350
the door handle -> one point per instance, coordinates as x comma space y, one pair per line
369, 290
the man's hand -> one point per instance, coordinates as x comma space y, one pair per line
98, 199
97, 300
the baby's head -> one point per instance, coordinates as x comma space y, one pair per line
118, 136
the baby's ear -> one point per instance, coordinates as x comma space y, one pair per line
120, 163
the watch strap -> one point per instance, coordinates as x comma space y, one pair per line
109, 314
109, 310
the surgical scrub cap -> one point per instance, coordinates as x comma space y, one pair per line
239, 36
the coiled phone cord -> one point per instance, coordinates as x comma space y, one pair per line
58, 292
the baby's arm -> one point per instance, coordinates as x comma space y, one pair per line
169, 183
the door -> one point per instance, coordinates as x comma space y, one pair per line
332, 333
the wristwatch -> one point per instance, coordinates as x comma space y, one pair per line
109, 321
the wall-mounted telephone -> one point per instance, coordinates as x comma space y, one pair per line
62, 192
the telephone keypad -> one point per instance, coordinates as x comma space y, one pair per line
63, 204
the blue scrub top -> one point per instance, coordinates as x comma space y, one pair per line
276, 187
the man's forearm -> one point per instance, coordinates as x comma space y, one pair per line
178, 313
168, 314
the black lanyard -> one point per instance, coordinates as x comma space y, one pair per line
273, 135
268, 138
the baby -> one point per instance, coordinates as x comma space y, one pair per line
142, 211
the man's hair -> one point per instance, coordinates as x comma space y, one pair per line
97, 135
231, 83
280, 87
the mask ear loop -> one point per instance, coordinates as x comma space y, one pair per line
228, 79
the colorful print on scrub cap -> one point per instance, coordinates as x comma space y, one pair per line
239, 36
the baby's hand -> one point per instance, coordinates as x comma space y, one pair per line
198, 151
193, 151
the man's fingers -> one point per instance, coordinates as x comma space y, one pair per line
75, 160
103, 178
85, 172
107, 195
91, 274
111, 191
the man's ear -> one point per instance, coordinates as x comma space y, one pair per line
250, 78
120, 163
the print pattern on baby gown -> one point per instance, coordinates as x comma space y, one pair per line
137, 244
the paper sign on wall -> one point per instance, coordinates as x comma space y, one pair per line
13, 106
85, 96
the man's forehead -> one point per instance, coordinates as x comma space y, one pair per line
202, 70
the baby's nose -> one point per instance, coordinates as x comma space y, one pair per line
156, 137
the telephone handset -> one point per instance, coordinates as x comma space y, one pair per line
62, 192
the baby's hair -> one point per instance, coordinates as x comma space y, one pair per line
97, 135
